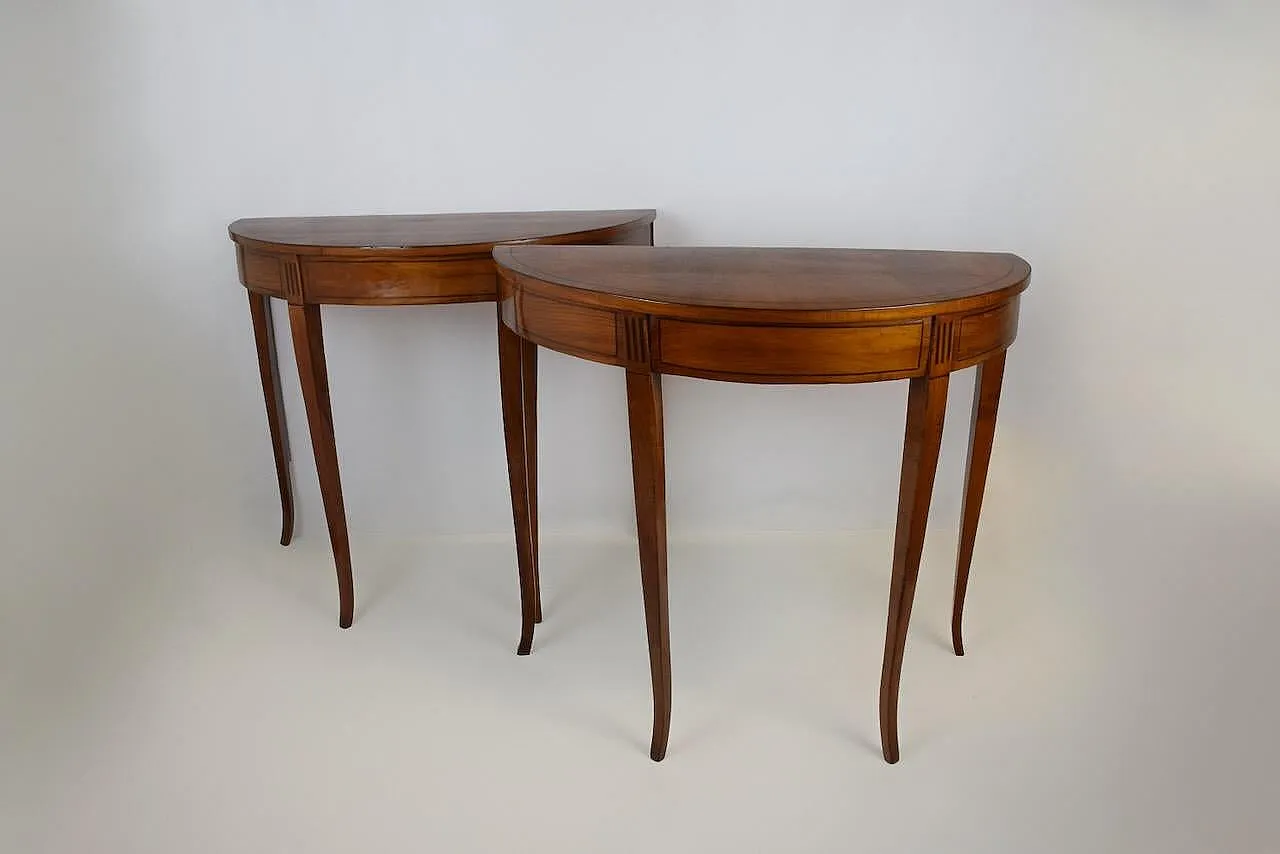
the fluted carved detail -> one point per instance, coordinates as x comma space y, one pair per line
291, 279
633, 337
945, 338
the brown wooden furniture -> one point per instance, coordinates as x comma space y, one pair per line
760, 316
378, 260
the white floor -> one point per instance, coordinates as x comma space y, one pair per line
217, 707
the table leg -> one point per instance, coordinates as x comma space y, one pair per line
926, 408
511, 363
648, 471
264, 337
308, 347
982, 431
529, 401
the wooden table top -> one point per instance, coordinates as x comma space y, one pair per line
704, 281
435, 234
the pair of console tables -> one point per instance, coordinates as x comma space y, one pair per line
592, 285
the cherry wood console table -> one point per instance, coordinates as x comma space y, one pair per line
761, 316
378, 260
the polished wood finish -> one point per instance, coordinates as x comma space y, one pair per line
800, 285
381, 260
926, 410
264, 337
769, 316
529, 405
407, 260
982, 433
649, 477
313, 375
451, 235
791, 353
515, 429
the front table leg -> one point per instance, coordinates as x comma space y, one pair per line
308, 348
264, 337
648, 471
982, 433
511, 362
926, 407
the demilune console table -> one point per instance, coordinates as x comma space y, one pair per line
379, 260
760, 316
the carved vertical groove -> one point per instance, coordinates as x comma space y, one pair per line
291, 278
945, 335
633, 337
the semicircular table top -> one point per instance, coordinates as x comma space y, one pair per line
451, 233
672, 280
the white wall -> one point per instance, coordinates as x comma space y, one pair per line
1124, 152
1127, 149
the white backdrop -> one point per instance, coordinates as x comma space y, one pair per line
1126, 149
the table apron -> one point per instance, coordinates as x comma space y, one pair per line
410, 277
762, 353
316, 279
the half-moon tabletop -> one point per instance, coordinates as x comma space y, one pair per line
763, 316
381, 260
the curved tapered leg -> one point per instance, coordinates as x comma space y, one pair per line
308, 347
982, 432
648, 471
529, 401
926, 407
264, 337
510, 376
